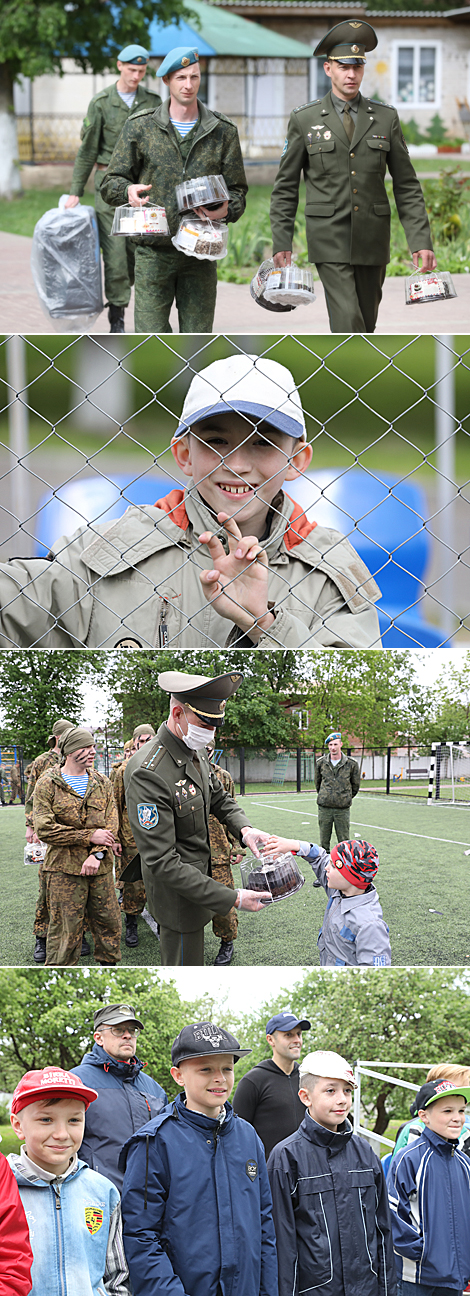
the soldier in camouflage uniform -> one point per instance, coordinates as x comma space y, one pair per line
153, 155
225, 852
47, 760
107, 113
15, 783
75, 813
337, 781
133, 893
121, 760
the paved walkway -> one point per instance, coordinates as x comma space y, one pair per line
236, 312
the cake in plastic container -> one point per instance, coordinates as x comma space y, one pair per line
35, 852
206, 240
291, 285
436, 286
204, 191
281, 876
140, 220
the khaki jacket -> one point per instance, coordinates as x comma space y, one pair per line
169, 799
106, 115
67, 821
39, 766
347, 207
337, 784
135, 582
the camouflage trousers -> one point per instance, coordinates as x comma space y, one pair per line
69, 897
118, 252
224, 926
164, 275
327, 816
41, 917
133, 893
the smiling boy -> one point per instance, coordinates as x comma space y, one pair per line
231, 560
196, 1200
73, 1212
429, 1195
330, 1207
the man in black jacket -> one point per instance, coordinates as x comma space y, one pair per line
267, 1096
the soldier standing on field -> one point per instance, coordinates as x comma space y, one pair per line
47, 760
343, 144
107, 113
157, 150
337, 781
225, 852
133, 893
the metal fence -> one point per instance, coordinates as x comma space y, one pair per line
55, 137
399, 771
86, 431
366, 1069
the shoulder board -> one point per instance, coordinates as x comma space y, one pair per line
310, 104
152, 760
377, 103
222, 117
147, 108
102, 94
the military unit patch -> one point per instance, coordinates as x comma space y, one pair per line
94, 1216
147, 815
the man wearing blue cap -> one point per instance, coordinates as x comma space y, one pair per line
106, 116
337, 781
267, 1096
156, 152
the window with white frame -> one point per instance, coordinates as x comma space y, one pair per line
417, 74
320, 83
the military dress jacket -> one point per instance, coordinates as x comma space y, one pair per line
148, 153
337, 784
67, 821
169, 798
106, 115
347, 208
135, 582
38, 767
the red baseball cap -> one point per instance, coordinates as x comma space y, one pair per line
49, 1083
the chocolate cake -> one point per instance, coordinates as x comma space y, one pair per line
282, 877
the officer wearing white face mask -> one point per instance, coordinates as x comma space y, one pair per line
170, 792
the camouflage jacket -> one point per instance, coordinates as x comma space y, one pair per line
129, 848
224, 845
148, 153
67, 821
136, 581
39, 766
106, 115
337, 784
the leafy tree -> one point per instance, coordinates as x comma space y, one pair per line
36, 688
37, 35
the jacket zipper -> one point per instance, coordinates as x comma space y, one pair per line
62, 1275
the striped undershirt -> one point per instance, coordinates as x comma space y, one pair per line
183, 128
79, 782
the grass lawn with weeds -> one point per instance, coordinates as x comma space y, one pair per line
423, 905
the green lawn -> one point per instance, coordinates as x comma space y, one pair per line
422, 883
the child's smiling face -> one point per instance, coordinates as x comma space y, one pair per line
53, 1131
239, 471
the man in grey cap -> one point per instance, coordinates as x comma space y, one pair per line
343, 144
337, 780
127, 1096
267, 1096
170, 792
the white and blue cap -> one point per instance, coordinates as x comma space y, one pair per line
134, 54
332, 737
262, 389
176, 59
285, 1021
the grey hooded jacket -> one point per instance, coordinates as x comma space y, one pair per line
353, 931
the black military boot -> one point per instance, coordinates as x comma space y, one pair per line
39, 953
132, 935
116, 318
225, 954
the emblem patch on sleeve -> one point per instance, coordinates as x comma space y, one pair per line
147, 814
251, 1170
286, 146
93, 1218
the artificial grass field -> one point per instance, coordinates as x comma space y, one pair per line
422, 881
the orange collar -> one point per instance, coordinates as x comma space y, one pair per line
298, 529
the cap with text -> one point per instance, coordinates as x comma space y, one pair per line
434, 1089
50, 1083
203, 1039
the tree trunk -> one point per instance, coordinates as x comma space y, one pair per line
382, 1118
10, 179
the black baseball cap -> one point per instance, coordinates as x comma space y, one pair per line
285, 1021
114, 1015
434, 1089
203, 1039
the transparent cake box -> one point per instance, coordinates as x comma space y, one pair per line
204, 191
140, 220
435, 286
35, 852
281, 877
291, 285
206, 240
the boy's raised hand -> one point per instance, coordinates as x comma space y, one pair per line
279, 845
238, 582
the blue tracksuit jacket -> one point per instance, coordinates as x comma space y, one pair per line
429, 1195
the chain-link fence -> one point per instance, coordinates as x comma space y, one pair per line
367, 542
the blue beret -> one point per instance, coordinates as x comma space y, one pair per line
176, 59
134, 54
331, 738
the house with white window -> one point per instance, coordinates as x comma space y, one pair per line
421, 64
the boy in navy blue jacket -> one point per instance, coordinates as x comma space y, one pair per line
429, 1195
330, 1207
196, 1201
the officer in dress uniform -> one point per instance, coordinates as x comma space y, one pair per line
344, 144
170, 793
106, 115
